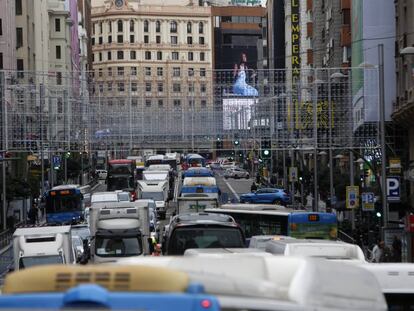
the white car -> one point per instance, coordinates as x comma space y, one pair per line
236, 172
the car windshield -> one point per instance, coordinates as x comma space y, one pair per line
204, 237
117, 246
26, 262
123, 197
156, 196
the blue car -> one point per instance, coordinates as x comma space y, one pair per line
266, 195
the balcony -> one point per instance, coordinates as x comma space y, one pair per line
403, 109
309, 53
345, 4
346, 38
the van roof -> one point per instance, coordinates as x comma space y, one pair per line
199, 218
49, 230
226, 251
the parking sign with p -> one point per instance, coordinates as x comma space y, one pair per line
393, 189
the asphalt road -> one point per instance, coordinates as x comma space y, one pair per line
232, 188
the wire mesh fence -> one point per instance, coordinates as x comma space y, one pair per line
324, 108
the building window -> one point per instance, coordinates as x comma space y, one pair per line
100, 56
174, 40
120, 39
146, 39
120, 54
120, 71
148, 102
157, 26
121, 87
202, 56
177, 102
174, 55
134, 102
190, 56
1, 27
160, 103
148, 55
100, 27
148, 87
203, 103
93, 57
19, 10
189, 27
176, 72
57, 24
100, 40
1, 60
131, 26
147, 71
202, 87
133, 55
146, 26
200, 27
201, 40
159, 55
93, 41
133, 71
19, 37
134, 87
190, 40
101, 87
191, 87
191, 102
60, 103
176, 87
158, 39
58, 52
109, 39
100, 72
110, 26
120, 26
159, 71
202, 72
160, 87
109, 55
190, 72
20, 67
173, 27
131, 38
59, 78
110, 71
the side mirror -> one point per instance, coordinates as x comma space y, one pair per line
11, 269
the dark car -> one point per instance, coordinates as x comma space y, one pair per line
266, 195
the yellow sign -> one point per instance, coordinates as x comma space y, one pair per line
352, 197
395, 165
31, 157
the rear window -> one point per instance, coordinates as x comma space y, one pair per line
204, 237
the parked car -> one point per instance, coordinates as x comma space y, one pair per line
228, 165
236, 172
266, 195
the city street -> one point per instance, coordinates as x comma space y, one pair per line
232, 188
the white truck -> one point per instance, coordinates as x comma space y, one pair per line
195, 205
119, 229
154, 190
36, 246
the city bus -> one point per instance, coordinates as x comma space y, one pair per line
64, 204
194, 160
200, 191
260, 219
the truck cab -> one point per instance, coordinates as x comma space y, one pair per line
119, 229
36, 246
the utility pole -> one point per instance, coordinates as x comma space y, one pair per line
315, 137
4, 147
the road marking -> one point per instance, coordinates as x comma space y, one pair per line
232, 190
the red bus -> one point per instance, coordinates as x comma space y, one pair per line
121, 176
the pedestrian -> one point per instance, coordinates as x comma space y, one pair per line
377, 254
396, 249
253, 187
258, 178
33, 214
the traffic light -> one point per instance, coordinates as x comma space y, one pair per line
219, 143
236, 142
266, 153
67, 155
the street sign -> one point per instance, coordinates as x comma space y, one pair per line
352, 197
293, 173
56, 161
368, 199
395, 166
393, 189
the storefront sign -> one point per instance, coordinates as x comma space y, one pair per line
295, 40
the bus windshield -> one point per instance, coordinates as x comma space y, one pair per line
26, 262
111, 246
204, 237
66, 203
120, 183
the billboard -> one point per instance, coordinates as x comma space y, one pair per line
237, 113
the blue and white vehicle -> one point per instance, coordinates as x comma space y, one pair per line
64, 204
